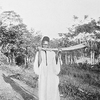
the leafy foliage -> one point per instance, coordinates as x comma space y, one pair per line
15, 38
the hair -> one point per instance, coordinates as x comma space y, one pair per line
45, 38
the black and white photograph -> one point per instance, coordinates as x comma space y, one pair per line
49, 49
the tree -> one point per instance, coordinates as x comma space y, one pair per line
11, 31
16, 40
91, 31
30, 42
86, 30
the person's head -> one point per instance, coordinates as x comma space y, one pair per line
45, 42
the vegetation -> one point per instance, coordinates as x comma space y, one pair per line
78, 80
16, 40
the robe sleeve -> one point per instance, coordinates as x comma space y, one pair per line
36, 68
56, 65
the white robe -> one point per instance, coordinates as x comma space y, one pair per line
48, 79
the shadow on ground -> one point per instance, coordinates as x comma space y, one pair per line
19, 89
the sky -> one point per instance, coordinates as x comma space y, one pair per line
51, 16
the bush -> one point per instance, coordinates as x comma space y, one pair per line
3, 59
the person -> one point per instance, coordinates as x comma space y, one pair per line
48, 68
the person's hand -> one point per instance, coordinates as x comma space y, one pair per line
59, 51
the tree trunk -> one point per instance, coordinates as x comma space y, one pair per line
92, 57
66, 58
13, 59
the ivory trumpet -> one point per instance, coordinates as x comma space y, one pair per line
75, 47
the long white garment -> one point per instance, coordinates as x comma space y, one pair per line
48, 79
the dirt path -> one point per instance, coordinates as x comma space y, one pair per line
6, 91
15, 88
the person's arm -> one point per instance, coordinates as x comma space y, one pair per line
57, 64
36, 67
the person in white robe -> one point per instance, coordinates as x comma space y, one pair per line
47, 68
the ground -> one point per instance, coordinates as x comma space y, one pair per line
76, 83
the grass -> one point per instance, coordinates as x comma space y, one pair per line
83, 83
77, 82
